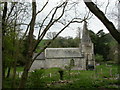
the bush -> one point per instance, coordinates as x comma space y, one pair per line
99, 58
111, 62
35, 79
8, 82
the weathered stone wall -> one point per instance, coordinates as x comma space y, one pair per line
88, 51
49, 63
60, 57
87, 48
64, 62
38, 64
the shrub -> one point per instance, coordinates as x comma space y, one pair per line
99, 58
8, 82
35, 79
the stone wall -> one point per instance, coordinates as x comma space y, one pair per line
59, 57
65, 62
49, 63
37, 64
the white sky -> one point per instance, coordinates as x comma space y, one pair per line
93, 24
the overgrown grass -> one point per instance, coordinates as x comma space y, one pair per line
103, 77
8, 81
18, 69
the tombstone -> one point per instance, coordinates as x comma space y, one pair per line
90, 67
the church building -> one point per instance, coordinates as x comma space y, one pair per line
83, 56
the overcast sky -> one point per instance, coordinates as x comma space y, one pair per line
93, 24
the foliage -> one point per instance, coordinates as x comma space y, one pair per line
70, 66
80, 79
101, 42
35, 78
7, 82
24, 50
65, 42
104, 44
99, 58
12, 16
8, 50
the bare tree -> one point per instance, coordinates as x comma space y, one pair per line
10, 17
43, 29
108, 24
101, 16
107, 6
53, 17
51, 35
3, 34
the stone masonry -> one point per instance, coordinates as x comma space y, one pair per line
60, 57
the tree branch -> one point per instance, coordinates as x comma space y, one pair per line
50, 42
107, 6
42, 8
101, 16
4, 18
13, 5
51, 22
72, 21
44, 22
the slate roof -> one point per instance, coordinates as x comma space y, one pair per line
59, 53
63, 53
41, 56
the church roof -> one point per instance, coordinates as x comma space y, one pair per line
41, 56
59, 53
63, 53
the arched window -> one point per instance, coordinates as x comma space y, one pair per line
72, 62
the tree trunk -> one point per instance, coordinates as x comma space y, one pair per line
3, 34
4, 18
109, 25
15, 52
14, 76
25, 74
29, 60
8, 73
101, 16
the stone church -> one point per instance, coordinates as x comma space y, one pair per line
83, 56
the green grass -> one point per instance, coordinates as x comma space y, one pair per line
18, 69
50, 78
99, 78
8, 81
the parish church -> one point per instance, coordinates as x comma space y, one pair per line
83, 56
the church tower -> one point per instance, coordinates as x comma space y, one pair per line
86, 47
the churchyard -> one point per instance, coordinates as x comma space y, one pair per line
104, 76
